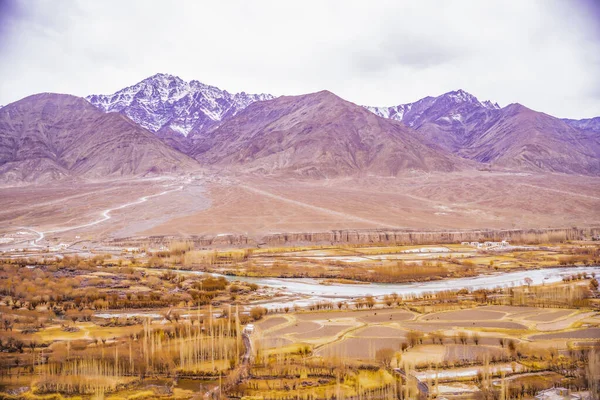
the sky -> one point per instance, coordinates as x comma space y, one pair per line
544, 54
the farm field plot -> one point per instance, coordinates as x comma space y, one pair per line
324, 331
380, 332
563, 323
459, 352
363, 315
268, 342
298, 328
549, 316
386, 316
465, 315
271, 322
359, 348
433, 326
589, 333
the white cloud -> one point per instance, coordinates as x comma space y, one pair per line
544, 54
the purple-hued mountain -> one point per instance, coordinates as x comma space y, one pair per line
445, 120
513, 137
187, 115
319, 135
51, 136
449, 107
589, 124
166, 104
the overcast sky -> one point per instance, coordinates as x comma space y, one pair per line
544, 54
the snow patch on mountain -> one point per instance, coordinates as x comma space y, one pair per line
165, 101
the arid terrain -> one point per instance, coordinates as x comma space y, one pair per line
208, 205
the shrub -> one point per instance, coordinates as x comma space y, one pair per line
257, 313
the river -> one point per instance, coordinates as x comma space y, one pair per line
316, 290
305, 291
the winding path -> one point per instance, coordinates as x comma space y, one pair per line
240, 373
105, 216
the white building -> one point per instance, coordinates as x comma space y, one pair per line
487, 244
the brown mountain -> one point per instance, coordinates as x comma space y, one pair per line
448, 120
51, 136
512, 137
525, 139
318, 135
591, 125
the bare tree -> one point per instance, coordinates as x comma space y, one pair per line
385, 356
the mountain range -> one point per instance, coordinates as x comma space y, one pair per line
318, 135
164, 124
513, 136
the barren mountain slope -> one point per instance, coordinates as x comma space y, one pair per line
588, 124
50, 136
448, 120
319, 135
511, 137
526, 139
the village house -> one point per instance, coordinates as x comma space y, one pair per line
249, 329
487, 244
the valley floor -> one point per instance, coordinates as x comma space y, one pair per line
211, 204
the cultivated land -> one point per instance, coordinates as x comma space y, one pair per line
163, 323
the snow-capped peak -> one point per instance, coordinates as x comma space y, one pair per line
444, 107
490, 105
165, 101
460, 96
